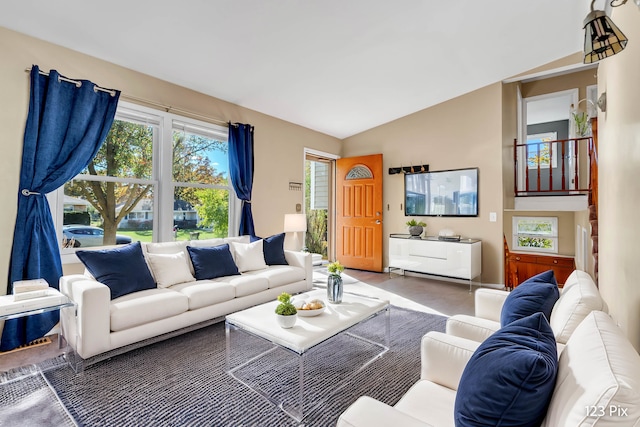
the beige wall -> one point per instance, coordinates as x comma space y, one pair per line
509, 134
579, 80
460, 133
619, 176
277, 142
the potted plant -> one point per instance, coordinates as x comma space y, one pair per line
334, 282
285, 311
416, 227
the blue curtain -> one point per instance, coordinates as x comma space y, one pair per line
65, 127
241, 171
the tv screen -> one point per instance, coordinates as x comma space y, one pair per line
441, 193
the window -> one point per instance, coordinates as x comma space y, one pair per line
535, 234
541, 150
157, 177
201, 184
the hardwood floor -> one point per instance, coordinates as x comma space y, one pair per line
445, 297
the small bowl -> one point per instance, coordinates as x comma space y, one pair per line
310, 313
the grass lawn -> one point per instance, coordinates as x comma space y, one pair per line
147, 235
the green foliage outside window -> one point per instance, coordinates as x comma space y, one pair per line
535, 242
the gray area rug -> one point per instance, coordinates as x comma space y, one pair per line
183, 381
29, 401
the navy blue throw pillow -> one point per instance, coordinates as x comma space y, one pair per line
123, 269
536, 294
212, 262
273, 248
510, 378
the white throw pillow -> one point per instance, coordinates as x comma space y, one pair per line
169, 269
249, 256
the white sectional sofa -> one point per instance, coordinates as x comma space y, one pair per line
177, 300
578, 298
597, 384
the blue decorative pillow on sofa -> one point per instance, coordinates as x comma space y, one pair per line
212, 262
536, 294
510, 377
273, 248
123, 269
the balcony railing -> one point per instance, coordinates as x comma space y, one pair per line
559, 167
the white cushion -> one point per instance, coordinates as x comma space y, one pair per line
246, 285
280, 275
169, 269
249, 256
146, 306
165, 247
579, 297
429, 402
204, 293
598, 371
206, 243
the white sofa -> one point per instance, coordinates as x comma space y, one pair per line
598, 383
578, 298
103, 324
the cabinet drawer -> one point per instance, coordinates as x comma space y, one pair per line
561, 262
523, 258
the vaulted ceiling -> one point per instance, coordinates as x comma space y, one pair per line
336, 66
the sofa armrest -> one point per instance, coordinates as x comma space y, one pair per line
470, 327
489, 302
368, 412
89, 331
444, 357
302, 260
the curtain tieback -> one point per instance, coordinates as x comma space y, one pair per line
28, 193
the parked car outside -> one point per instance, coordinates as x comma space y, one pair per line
86, 235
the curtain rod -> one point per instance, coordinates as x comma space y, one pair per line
76, 82
167, 108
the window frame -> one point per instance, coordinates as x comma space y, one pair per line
553, 236
162, 174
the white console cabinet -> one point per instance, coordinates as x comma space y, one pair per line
455, 259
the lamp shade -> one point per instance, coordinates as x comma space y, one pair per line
295, 222
602, 38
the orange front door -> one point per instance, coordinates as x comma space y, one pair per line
359, 212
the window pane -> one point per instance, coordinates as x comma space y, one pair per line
539, 227
123, 212
199, 159
200, 213
536, 242
126, 152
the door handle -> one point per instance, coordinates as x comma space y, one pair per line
378, 221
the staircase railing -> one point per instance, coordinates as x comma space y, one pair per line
553, 167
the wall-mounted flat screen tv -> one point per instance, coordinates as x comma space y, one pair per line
441, 193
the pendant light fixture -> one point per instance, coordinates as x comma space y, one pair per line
602, 37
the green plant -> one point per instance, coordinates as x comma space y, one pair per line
335, 268
581, 120
413, 223
286, 307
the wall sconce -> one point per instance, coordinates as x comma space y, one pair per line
602, 38
602, 100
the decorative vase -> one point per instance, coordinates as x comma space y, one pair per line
415, 230
334, 289
286, 322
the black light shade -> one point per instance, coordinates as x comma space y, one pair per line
602, 38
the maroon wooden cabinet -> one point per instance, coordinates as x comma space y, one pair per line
521, 266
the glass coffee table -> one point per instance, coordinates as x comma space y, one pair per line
298, 369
